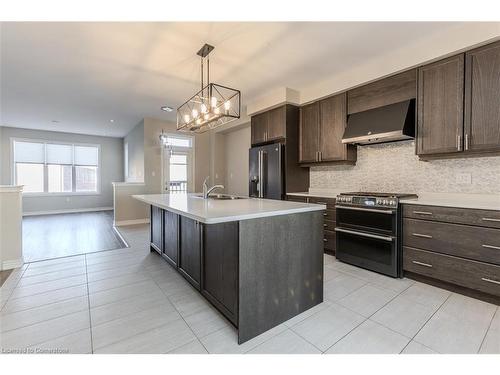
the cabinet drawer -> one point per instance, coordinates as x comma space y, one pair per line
329, 240
329, 202
296, 198
468, 273
329, 225
485, 218
330, 215
478, 243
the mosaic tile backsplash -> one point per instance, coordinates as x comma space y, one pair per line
394, 167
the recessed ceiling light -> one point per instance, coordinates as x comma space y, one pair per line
111, 120
166, 108
55, 121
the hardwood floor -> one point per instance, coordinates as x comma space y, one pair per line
62, 235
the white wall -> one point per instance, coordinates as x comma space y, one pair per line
237, 143
135, 141
11, 239
394, 167
111, 160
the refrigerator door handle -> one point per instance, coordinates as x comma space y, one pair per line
259, 182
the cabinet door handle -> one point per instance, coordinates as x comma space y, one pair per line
492, 247
422, 213
422, 235
422, 264
325, 240
325, 214
466, 142
320, 156
325, 225
490, 280
459, 142
491, 219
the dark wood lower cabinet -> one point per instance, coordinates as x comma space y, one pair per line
156, 234
258, 273
220, 267
171, 237
190, 250
455, 246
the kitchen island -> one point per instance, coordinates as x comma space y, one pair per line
258, 261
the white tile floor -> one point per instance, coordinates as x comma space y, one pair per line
131, 301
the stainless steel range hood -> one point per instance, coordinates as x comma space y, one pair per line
394, 122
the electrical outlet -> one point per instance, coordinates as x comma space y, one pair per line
463, 178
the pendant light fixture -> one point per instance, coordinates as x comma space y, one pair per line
214, 105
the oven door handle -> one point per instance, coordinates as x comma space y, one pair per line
388, 212
362, 234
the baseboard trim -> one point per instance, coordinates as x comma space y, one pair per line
67, 211
11, 264
130, 222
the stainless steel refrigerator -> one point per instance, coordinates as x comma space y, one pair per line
266, 178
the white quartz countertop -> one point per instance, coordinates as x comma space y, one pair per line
317, 194
474, 201
212, 211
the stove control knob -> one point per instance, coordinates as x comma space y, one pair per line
384, 202
393, 203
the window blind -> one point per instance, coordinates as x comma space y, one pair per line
29, 152
86, 155
59, 154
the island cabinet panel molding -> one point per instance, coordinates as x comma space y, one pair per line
190, 250
280, 271
170, 237
482, 99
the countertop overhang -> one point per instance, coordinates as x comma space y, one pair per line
212, 211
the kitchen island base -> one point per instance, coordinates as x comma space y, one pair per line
258, 272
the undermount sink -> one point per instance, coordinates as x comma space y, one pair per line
220, 197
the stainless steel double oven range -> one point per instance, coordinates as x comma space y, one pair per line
368, 231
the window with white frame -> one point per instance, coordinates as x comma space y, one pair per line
55, 168
178, 167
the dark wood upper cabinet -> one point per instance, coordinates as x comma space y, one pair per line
259, 128
309, 133
190, 250
170, 237
276, 124
332, 123
322, 126
390, 90
440, 111
482, 99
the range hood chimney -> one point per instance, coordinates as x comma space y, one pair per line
393, 122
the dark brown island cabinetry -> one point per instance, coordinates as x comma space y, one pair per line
322, 125
457, 246
244, 267
459, 105
329, 219
190, 250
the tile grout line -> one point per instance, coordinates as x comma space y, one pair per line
423, 325
15, 286
486, 333
175, 308
88, 304
367, 318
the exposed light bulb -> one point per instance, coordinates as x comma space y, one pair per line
213, 102
206, 116
198, 121
195, 113
216, 111
227, 105
186, 118
203, 108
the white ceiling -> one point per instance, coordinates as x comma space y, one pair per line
84, 74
